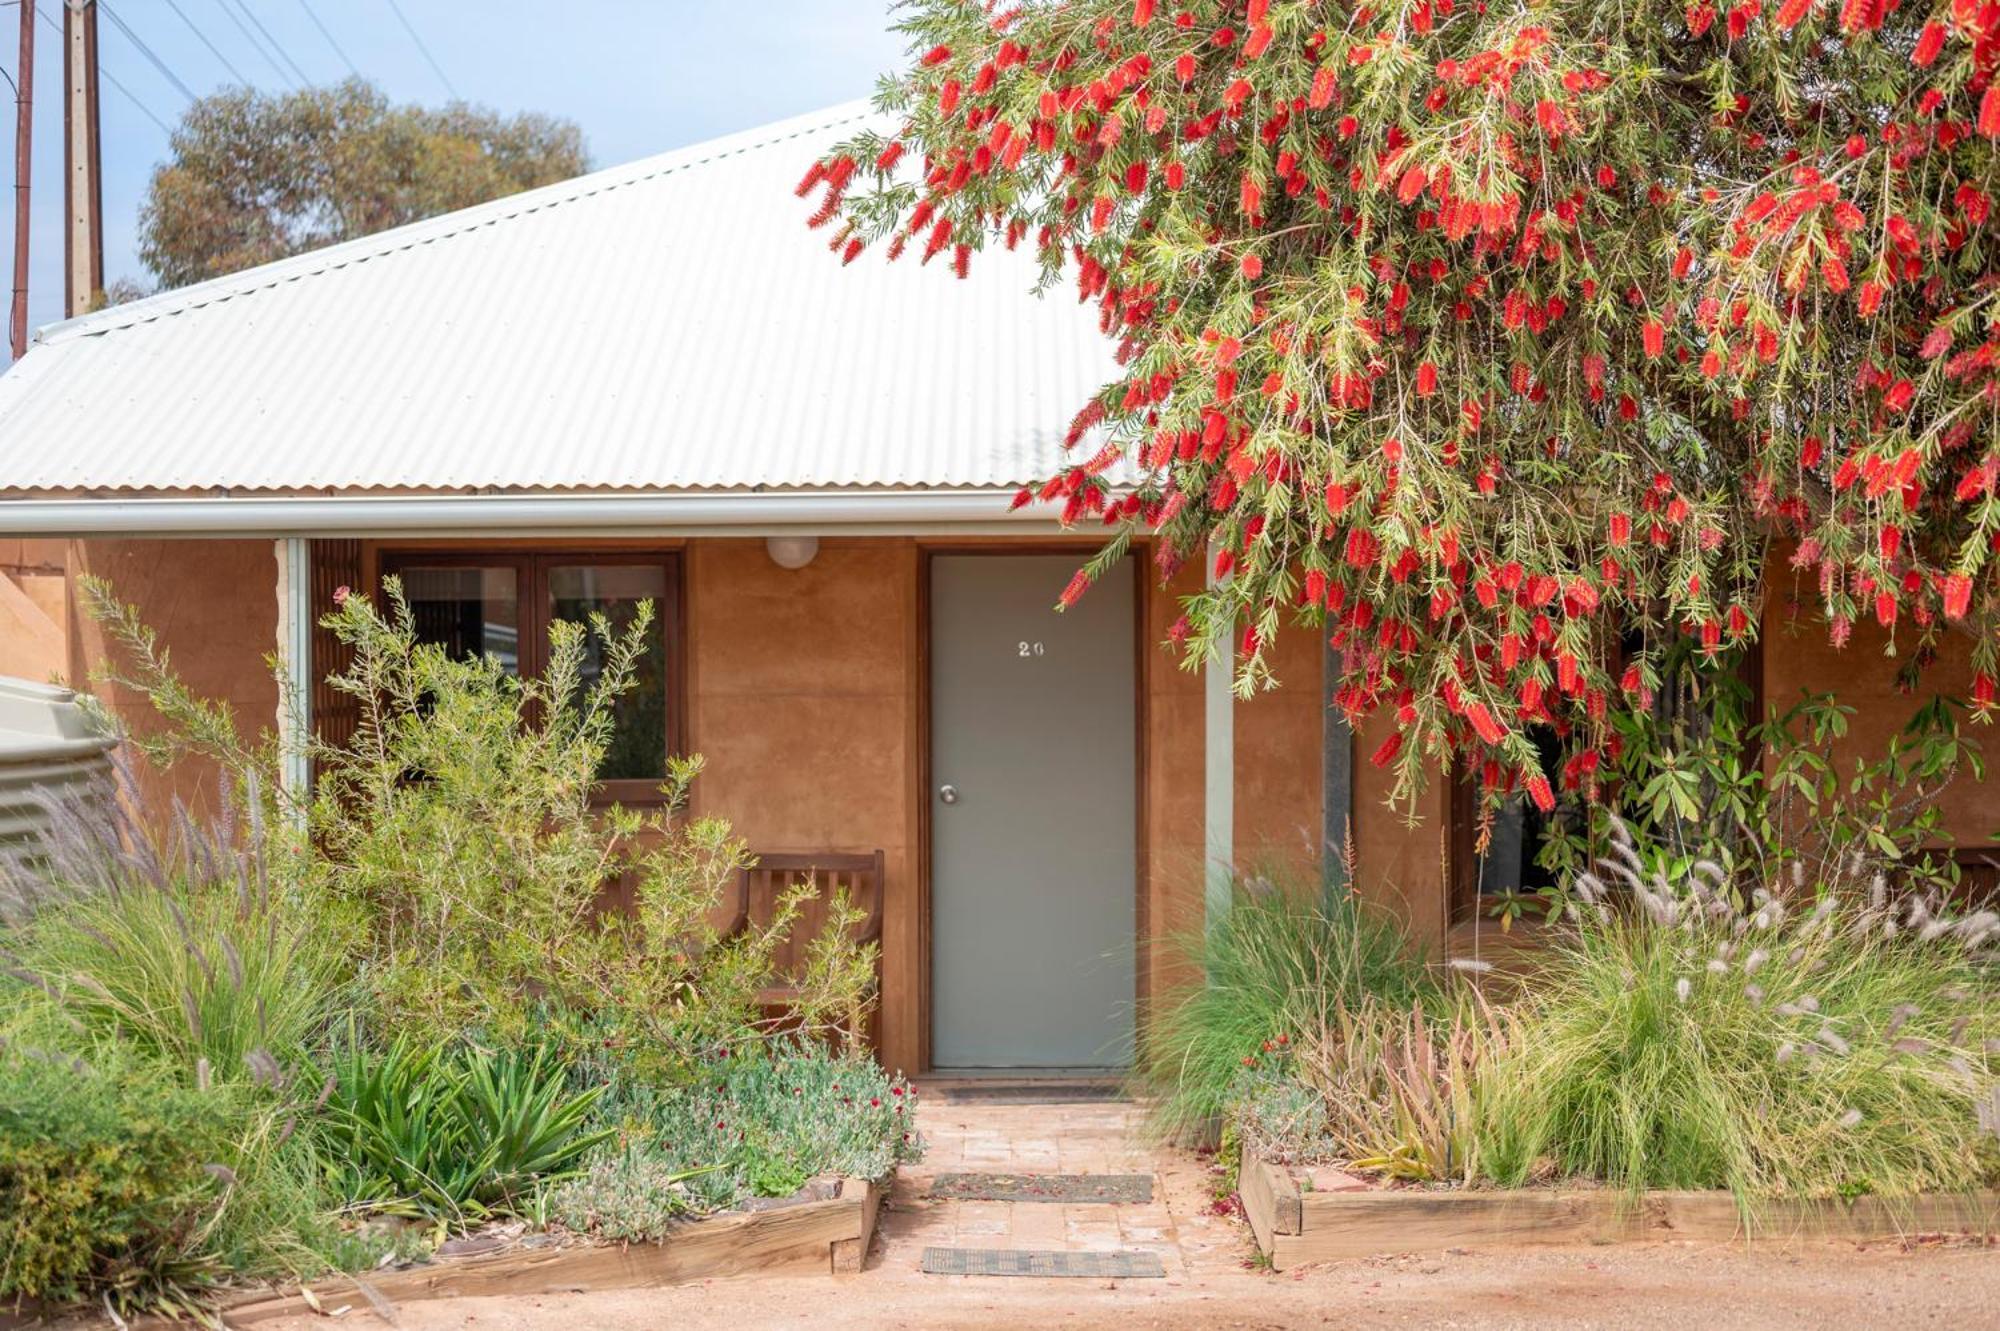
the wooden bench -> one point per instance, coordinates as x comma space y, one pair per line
760, 886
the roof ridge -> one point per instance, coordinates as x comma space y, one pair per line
379, 244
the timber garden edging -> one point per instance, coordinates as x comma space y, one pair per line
1294, 1226
827, 1235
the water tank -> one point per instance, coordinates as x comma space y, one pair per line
49, 746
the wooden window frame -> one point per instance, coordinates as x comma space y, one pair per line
531, 565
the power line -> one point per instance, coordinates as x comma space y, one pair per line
436, 68
213, 50
255, 45
314, 16
258, 23
104, 8
112, 79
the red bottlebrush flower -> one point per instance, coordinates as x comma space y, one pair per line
1539, 792
1982, 691
1630, 681
1336, 498
1792, 11
1862, 15
852, 251
1079, 583
1253, 267
1427, 379
1957, 595
1900, 395
1325, 79
1315, 586
1387, 751
1620, 529
1483, 723
1700, 17
889, 156
814, 174
1989, 111
1176, 175
1251, 196
1142, 12
1225, 560
1412, 185
937, 55
1022, 498
1260, 41
1833, 272
961, 261
1655, 334
1929, 43
1885, 610
1891, 541
948, 96
1184, 66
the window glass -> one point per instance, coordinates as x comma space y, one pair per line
470, 611
576, 591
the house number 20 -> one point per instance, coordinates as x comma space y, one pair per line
1029, 649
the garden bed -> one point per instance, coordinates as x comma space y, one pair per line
825, 1229
1295, 1225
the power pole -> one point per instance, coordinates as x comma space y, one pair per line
24, 144
83, 210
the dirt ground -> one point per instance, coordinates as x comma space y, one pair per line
1212, 1281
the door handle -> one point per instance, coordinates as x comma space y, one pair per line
949, 794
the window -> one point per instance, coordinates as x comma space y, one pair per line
501, 603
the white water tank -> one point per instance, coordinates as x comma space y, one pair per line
49, 746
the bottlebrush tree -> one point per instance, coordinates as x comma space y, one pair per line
1500, 339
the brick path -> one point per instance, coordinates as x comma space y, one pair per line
1094, 1138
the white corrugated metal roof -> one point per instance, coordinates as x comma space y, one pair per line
667, 325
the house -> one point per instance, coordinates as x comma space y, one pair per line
654, 383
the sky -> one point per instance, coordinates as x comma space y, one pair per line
639, 76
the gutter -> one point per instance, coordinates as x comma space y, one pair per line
855, 512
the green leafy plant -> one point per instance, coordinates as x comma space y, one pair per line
1695, 1033
1282, 964
111, 1178
461, 828
761, 1122
453, 1135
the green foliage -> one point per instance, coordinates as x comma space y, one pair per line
1282, 965
111, 1179
257, 176
461, 828
217, 979
1697, 777
629, 1194
752, 1125
453, 1134
1695, 1037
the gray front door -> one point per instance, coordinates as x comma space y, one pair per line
1033, 815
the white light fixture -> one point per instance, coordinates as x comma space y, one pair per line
791, 551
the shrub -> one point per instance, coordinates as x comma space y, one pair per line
460, 826
1685, 1037
111, 1177
1285, 962
453, 1134
753, 1125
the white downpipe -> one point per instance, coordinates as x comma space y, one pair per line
744, 513
295, 615
1218, 776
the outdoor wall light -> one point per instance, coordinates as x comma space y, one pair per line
791, 551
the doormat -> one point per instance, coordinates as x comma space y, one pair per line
1029, 1093
1015, 1262
1081, 1189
